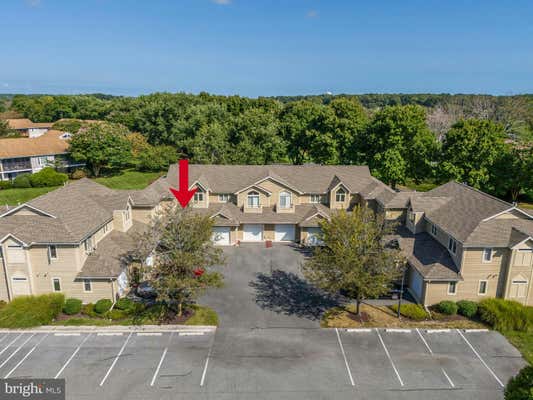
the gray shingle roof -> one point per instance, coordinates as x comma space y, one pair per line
427, 256
305, 178
109, 258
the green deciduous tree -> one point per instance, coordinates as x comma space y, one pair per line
179, 242
102, 146
354, 258
520, 387
400, 136
470, 150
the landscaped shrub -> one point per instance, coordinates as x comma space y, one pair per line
5, 185
72, 306
115, 314
467, 308
21, 181
521, 386
506, 315
78, 174
103, 306
412, 311
125, 304
28, 311
48, 177
447, 307
88, 309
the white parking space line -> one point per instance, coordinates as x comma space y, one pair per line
448, 378
204, 372
359, 330
438, 330
396, 330
481, 359
116, 359
191, 333
72, 356
4, 337
390, 358
110, 334
67, 334
159, 366
25, 357
345, 359
424, 340
16, 351
149, 333
9, 344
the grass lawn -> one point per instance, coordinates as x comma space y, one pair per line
129, 180
16, 196
203, 316
384, 317
419, 187
523, 341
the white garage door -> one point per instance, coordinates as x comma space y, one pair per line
252, 232
20, 286
313, 237
284, 233
221, 235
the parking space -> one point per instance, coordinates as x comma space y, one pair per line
266, 363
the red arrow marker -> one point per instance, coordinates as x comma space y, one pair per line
183, 195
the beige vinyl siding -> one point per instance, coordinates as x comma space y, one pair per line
348, 199
101, 289
275, 188
268, 232
438, 291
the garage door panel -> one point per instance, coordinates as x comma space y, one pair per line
221, 235
252, 232
284, 233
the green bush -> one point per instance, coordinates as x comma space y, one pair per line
467, 308
506, 315
88, 309
78, 174
521, 386
48, 177
5, 185
115, 314
102, 306
447, 307
125, 304
29, 311
411, 311
22, 181
72, 306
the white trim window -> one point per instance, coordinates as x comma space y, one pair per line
52, 253
56, 284
87, 286
223, 198
483, 287
487, 255
285, 200
253, 199
316, 198
340, 195
434, 229
198, 196
452, 245
452, 288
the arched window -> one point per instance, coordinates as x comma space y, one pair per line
284, 200
253, 200
340, 196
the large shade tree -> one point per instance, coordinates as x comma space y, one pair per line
102, 146
183, 256
470, 150
355, 258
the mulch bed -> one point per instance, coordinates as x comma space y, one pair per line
362, 317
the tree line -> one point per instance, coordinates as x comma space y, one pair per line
484, 141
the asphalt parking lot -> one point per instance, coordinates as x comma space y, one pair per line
266, 363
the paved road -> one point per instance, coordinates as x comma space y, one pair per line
269, 346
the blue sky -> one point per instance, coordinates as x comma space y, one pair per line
275, 47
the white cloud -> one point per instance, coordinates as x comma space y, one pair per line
312, 14
222, 2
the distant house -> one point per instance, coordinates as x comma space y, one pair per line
33, 153
26, 127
